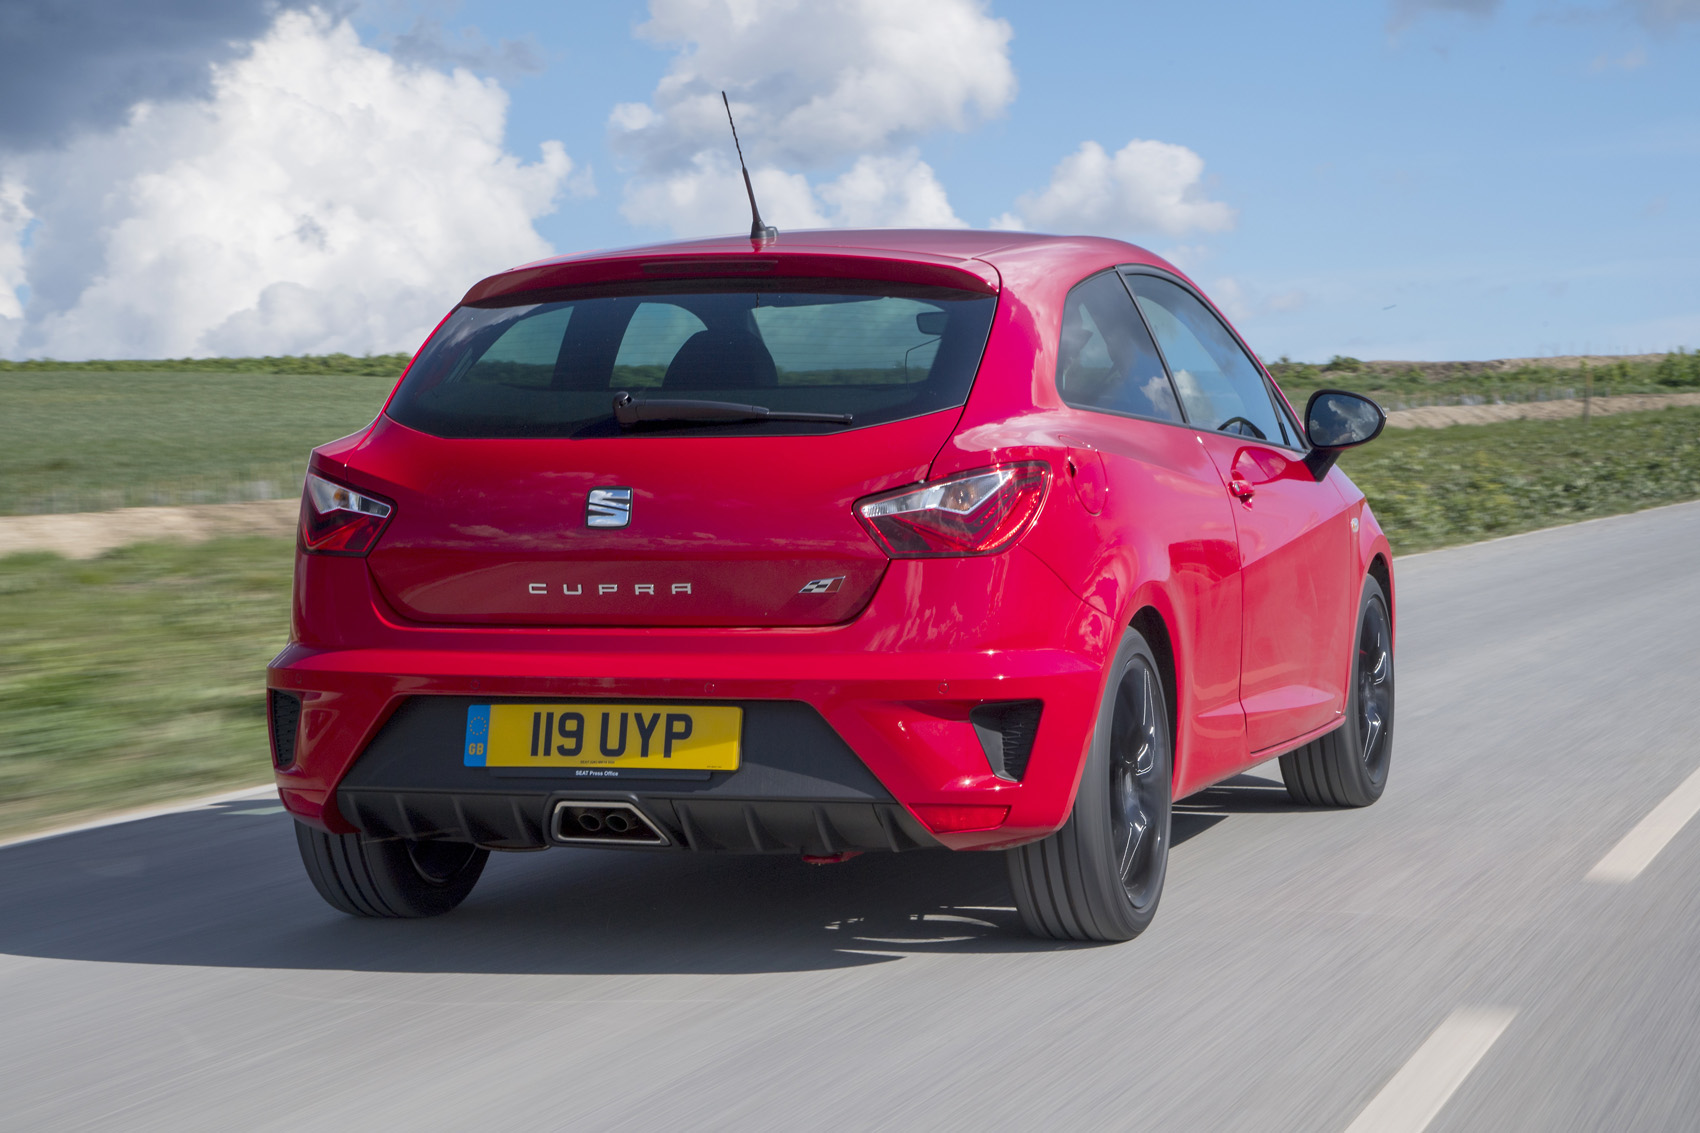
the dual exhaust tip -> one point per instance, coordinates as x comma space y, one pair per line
599, 823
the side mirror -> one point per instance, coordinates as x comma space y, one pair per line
1336, 420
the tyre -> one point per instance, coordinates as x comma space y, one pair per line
1099, 877
369, 877
1348, 766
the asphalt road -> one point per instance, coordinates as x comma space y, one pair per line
179, 972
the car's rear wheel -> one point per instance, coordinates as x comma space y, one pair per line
1099, 877
369, 877
1348, 766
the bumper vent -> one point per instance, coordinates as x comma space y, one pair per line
285, 717
1007, 729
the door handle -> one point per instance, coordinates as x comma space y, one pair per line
1241, 489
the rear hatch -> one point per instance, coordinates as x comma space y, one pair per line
520, 499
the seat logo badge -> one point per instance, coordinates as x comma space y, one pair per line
823, 586
608, 507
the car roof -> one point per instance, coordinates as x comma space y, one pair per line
948, 251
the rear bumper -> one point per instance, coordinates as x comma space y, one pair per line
889, 694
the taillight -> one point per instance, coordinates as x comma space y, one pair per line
974, 513
337, 520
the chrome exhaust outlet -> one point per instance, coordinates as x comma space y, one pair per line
589, 822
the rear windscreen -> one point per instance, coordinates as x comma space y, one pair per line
551, 369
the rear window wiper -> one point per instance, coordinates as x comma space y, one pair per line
633, 410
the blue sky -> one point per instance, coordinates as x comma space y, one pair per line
1505, 182
1442, 179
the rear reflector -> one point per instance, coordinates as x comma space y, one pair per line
285, 722
337, 520
974, 513
954, 819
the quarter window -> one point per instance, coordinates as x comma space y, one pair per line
1106, 359
1220, 386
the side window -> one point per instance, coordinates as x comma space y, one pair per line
1106, 359
1220, 386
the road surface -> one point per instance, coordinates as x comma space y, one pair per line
1471, 953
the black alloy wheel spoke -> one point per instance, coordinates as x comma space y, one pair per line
1146, 758
1375, 681
1133, 787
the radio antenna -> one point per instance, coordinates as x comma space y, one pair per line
759, 232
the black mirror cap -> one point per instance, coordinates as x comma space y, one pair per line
1337, 419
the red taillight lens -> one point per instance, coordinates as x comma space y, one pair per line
955, 819
337, 520
975, 513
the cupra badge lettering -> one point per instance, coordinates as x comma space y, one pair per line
608, 507
602, 589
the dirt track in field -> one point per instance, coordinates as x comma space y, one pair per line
1440, 416
85, 535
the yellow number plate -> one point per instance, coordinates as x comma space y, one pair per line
648, 736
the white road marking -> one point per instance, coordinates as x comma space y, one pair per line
138, 815
1413, 1097
1641, 845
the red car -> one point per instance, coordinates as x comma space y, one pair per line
823, 544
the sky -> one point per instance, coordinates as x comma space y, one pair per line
1404, 179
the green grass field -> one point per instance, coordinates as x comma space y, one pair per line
135, 677
1476, 384
1436, 487
86, 440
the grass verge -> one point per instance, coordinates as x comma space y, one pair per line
1437, 487
1464, 383
90, 440
136, 677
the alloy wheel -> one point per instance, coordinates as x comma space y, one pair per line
1136, 791
1375, 686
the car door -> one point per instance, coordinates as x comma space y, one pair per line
1294, 532
1152, 499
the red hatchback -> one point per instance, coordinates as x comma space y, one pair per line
823, 544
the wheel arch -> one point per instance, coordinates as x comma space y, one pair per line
1381, 570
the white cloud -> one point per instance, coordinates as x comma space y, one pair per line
1144, 187
814, 84
1664, 13
325, 198
896, 191
814, 81
1240, 301
707, 195
1406, 11
1630, 60
15, 217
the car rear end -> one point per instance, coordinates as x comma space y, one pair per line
519, 622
